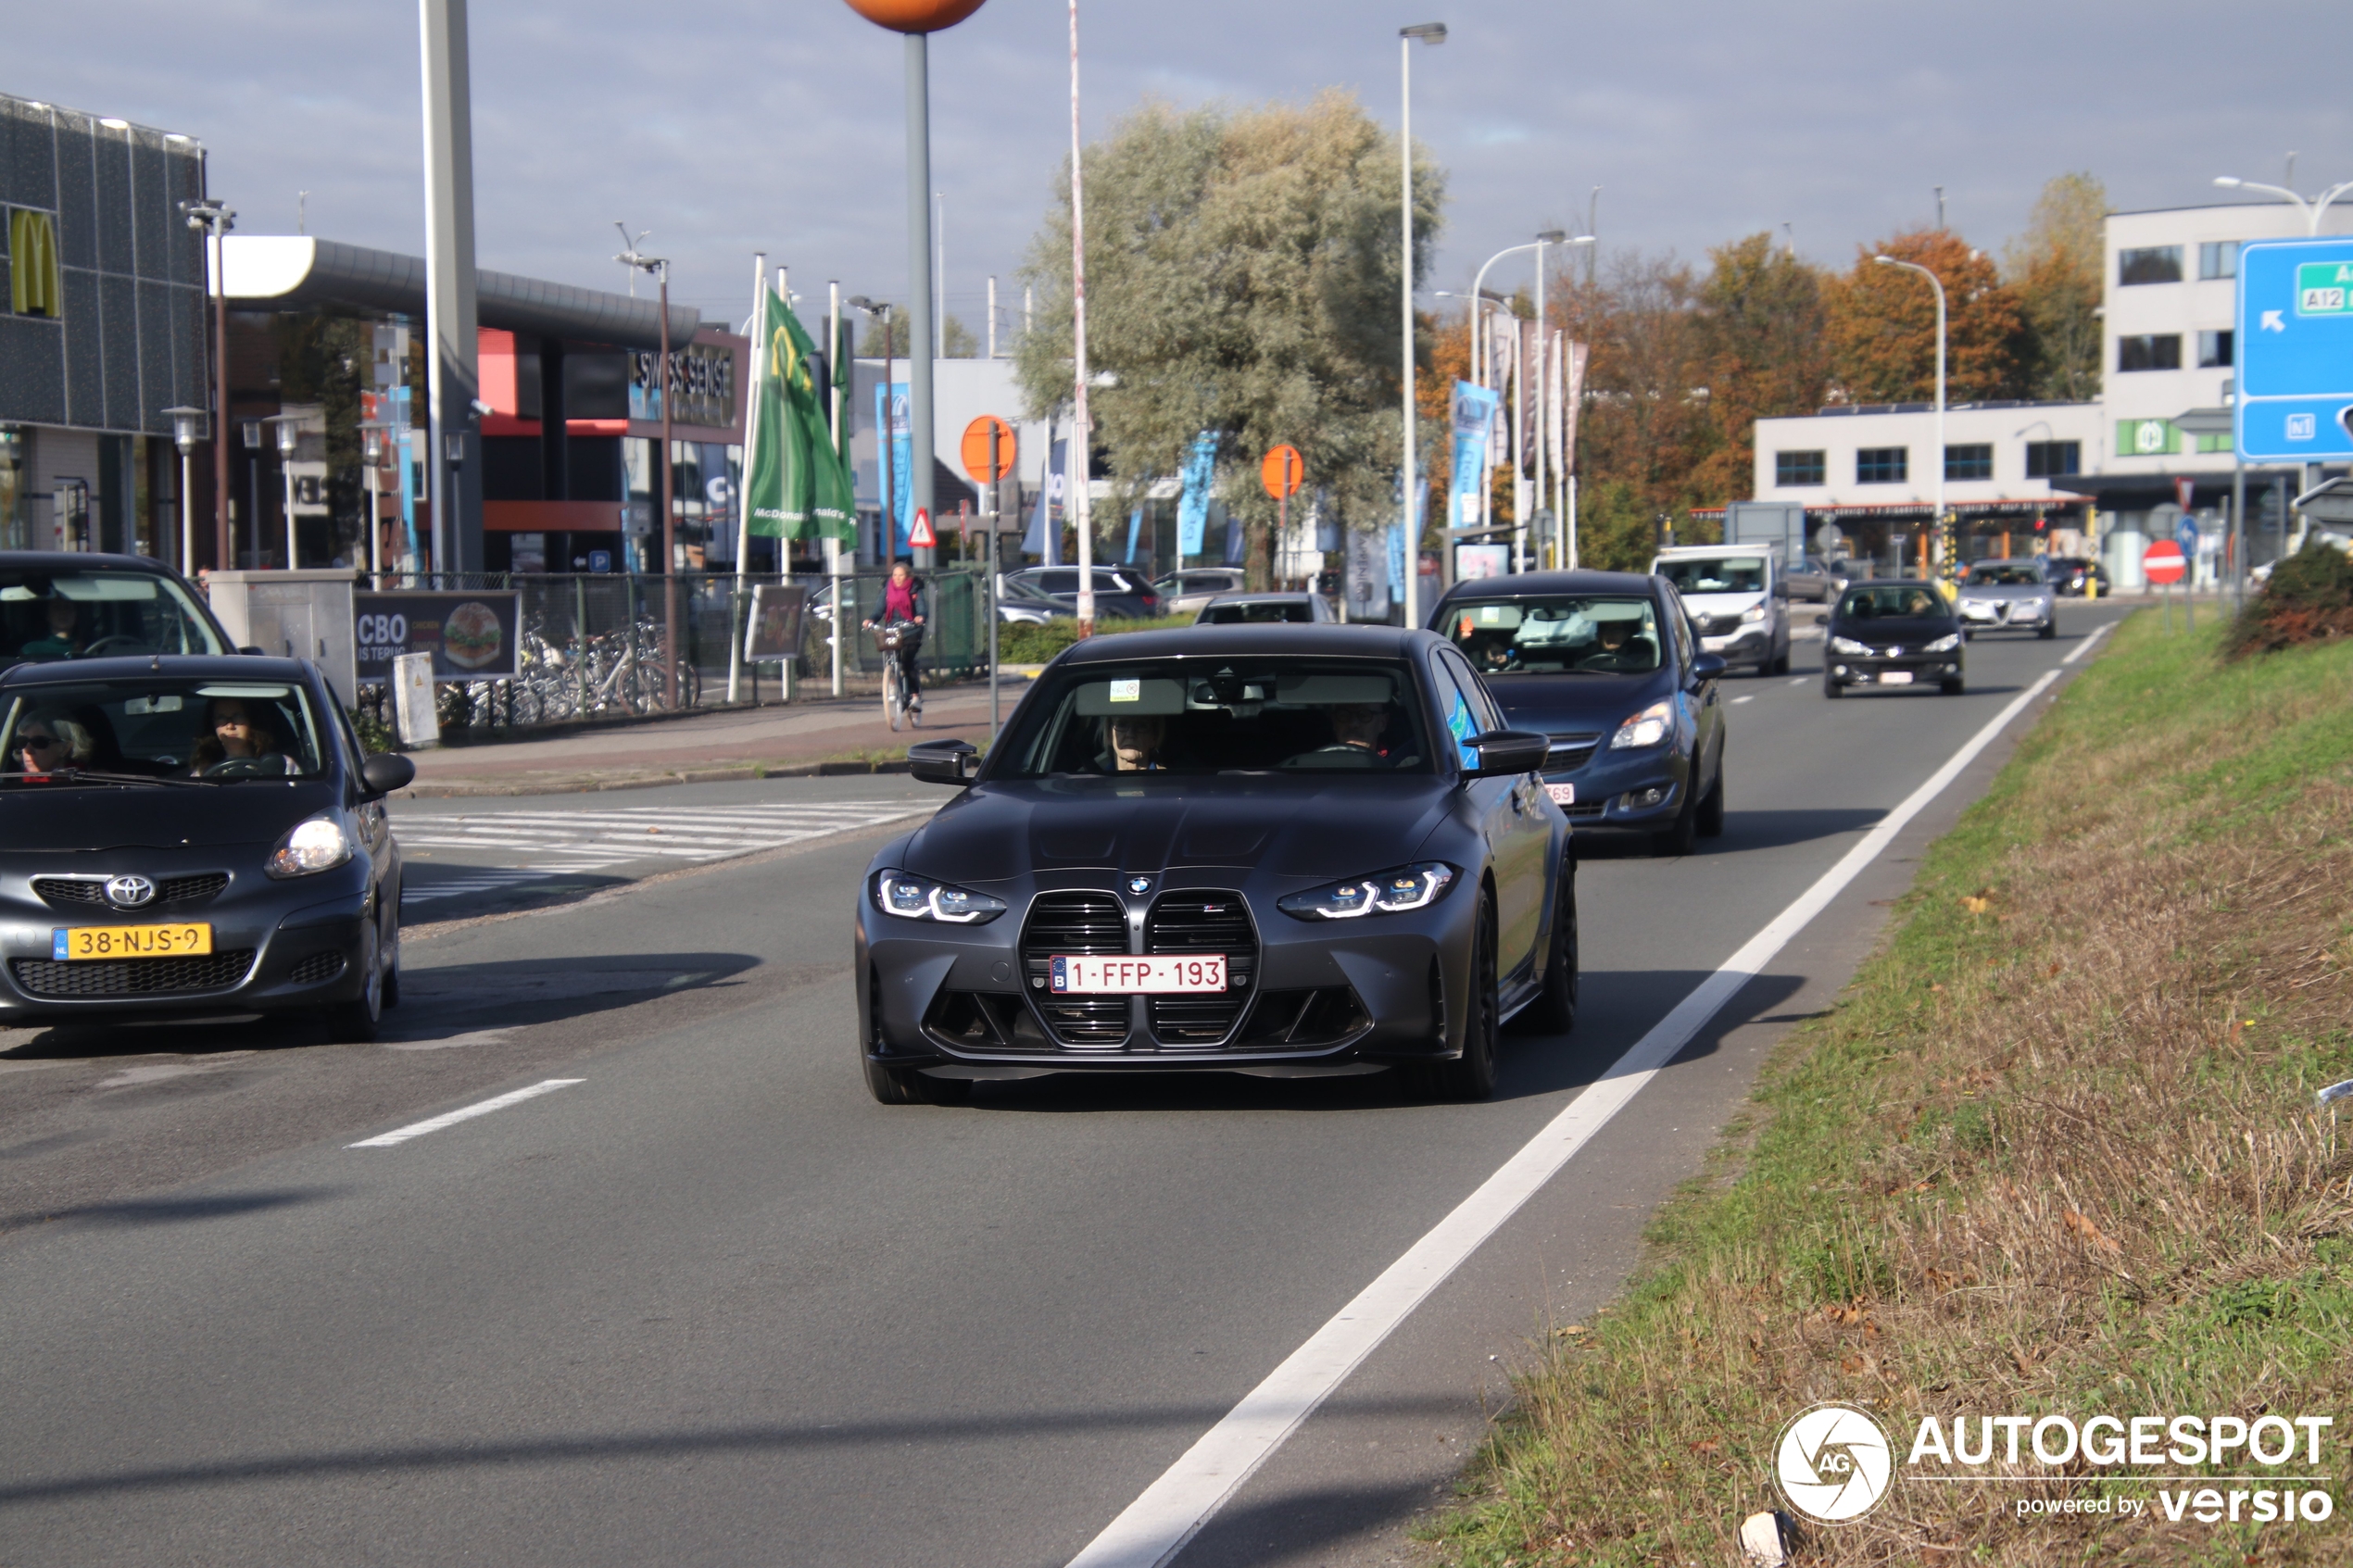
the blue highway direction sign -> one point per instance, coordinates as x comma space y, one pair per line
2296, 350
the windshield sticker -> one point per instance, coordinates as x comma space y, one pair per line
1127, 691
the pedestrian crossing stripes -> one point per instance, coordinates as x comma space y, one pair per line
595, 840
414, 892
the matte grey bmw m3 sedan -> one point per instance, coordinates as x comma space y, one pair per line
1284, 850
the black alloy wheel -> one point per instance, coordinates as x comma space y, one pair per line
1711, 809
2050, 629
1554, 1009
354, 1022
903, 1085
1830, 688
1952, 685
1472, 1075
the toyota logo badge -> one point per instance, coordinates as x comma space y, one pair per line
128, 892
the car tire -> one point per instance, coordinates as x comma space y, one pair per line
1781, 665
1953, 686
1554, 1009
1831, 688
355, 1022
2050, 630
1681, 837
1471, 1076
1710, 822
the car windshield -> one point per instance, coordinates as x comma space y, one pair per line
96, 614
1892, 601
1716, 574
2004, 574
1295, 611
154, 727
1603, 635
1197, 716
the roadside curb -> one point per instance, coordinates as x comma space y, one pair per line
748, 770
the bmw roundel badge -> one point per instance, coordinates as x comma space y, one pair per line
1139, 885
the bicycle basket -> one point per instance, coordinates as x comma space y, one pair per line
890, 639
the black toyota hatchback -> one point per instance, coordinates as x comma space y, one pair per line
1893, 633
183, 836
1603, 662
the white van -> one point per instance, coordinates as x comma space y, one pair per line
1738, 603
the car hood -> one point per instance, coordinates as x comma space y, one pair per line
78, 819
2006, 591
1288, 826
1891, 631
1720, 604
1560, 705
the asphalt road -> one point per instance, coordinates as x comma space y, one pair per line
701, 1302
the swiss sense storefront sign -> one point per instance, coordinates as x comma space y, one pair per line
471, 636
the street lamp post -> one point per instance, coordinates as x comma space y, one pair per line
289, 439
2313, 208
1543, 336
213, 219
1432, 33
371, 448
1077, 464
187, 433
885, 448
663, 496
1938, 284
1483, 368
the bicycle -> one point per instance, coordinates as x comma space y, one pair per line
889, 640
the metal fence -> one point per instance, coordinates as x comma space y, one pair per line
598, 647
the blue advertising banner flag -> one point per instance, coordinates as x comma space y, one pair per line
1396, 560
1135, 527
1044, 538
1192, 503
1474, 411
892, 416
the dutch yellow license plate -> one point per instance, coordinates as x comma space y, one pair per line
71, 943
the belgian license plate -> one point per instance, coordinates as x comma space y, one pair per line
1137, 975
1562, 794
1895, 677
73, 943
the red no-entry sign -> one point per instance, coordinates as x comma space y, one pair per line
2162, 564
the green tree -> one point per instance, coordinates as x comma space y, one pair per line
2055, 269
1882, 324
1761, 321
1646, 421
960, 343
1242, 276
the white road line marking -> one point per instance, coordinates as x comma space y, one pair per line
1155, 1527
1801, 680
467, 1114
2086, 645
1738, 701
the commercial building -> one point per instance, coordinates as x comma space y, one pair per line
103, 328
2027, 475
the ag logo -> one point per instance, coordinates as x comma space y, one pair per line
1833, 1463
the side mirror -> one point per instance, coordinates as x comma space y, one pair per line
1708, 667
1503, 753
1823, 618
259, 653
385, 772
944, 761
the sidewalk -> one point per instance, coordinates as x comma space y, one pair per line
706, 748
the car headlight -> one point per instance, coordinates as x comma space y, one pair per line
1753, 612
914, 897
315, 843
1646, 728
1408, 887
1850, 647
1943, 644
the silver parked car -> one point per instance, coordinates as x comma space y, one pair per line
1181, 593
2009, 595
1236, 609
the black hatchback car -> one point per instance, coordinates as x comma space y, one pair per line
184, 836
1898, 631
1606, 664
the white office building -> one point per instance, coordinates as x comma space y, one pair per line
2023, 476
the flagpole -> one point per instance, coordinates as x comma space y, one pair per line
832, 544
751, 455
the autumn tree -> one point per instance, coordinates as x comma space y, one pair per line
1242, 277
1882, 324
2054, 267
1760, 327
1645, 429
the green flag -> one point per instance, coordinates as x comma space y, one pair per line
798, 488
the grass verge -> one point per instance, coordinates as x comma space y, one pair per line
2054, 1151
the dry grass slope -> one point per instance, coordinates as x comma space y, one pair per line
2055, 1151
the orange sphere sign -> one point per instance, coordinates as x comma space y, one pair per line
1282, 471
916, 16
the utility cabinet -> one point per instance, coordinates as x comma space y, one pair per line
294, 615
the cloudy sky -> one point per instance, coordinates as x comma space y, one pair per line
729, 126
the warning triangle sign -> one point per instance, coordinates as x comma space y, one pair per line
921, 537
